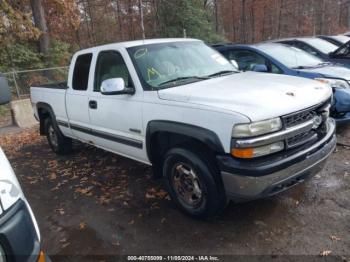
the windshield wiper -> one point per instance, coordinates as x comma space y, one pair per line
195, 78
324, 63
312, 66
224, 72
303, 67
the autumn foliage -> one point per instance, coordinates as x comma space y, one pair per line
76, 24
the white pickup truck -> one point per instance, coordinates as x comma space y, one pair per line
211, 132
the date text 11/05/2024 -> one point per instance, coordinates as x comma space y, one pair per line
173, 258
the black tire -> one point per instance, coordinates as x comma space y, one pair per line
61, 145
212, 200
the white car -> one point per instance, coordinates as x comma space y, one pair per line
211, 132
19, 232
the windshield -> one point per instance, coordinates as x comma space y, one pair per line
177, 63
290, 56
320, 44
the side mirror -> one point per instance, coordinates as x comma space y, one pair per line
260, 68
5, 92
115, 86
235, 64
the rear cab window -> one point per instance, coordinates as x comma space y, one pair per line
81, 72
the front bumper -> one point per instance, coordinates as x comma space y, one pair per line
18, 236
265, 179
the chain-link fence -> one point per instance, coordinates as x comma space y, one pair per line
20, 81
5, 115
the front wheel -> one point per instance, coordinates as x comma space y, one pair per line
193, 183
60, 144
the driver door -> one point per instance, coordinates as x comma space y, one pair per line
116, 120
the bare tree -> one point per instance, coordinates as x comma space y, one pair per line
141, 20
40, 23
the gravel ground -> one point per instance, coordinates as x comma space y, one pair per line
95, 203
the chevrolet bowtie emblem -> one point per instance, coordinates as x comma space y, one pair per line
290, 94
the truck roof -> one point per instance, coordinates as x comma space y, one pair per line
140, 42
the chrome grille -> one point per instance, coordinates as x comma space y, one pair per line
299, 118
300, 138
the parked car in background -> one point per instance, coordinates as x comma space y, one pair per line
19, 232
288, 60
337, 40
211, 132
320, 48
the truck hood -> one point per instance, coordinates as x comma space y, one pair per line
258, 96
332, 71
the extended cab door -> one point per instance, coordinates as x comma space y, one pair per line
77, 97
116, 120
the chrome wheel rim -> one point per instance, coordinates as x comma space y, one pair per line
53, 136
187, 185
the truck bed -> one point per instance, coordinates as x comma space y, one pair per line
52, 95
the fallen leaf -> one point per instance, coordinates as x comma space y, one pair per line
63, 240
65, 245
131, 222
334, 238
163, 220
60, 210
149, 196
325, 253
83, 191
82, 225
52, 176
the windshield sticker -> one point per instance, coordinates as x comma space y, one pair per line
152, 73
140, 53
218, 58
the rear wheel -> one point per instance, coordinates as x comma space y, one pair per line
193, 183
60, 144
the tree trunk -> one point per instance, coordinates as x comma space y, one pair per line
141, 20
40, 23
243, 20
280, 8
131, 20
252, 19
216, 16
120, 22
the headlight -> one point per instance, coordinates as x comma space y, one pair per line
336, 83
257, 151
256, 128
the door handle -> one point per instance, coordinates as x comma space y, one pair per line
93, 104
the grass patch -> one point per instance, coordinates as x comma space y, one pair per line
4, 110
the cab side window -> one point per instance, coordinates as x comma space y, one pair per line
306, 48
247, 60
110, 64
81, 72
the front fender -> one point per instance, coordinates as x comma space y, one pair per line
201, 134
342, 100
